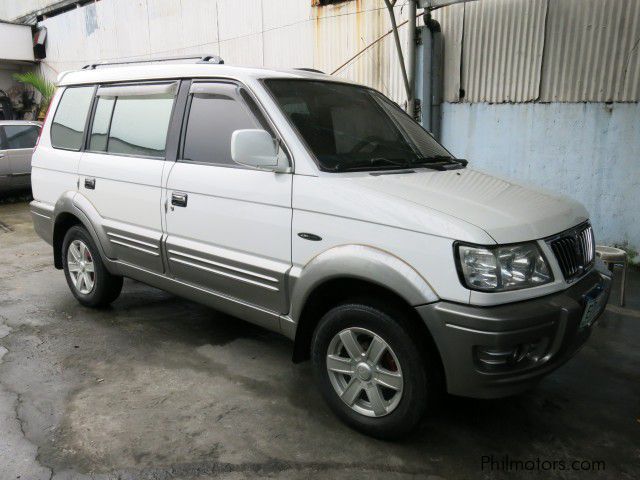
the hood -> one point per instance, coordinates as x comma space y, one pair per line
508, 212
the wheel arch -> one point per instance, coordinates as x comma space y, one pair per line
349, 272
70, 210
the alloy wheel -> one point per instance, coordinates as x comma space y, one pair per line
364, 372
81, 267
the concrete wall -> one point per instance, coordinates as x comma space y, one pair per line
588, 151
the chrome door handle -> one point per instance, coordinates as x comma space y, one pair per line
179, 199
90, 183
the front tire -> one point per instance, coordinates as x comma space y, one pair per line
370, 370
88, 279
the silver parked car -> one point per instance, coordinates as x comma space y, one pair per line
17, 139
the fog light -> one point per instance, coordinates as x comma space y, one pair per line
501, 358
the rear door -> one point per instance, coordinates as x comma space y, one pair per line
228, 226
20, 140
121, 169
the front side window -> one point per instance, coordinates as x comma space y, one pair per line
20, 136
348, 127
67, 128
215, 112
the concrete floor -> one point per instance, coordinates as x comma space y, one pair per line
160, 388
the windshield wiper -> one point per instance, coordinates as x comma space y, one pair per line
397, 163
376, 163
440, 162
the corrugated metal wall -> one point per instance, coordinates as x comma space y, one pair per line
592, 52
542, 50
341, 33
451, 21
502, 50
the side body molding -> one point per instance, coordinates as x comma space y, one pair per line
359, 262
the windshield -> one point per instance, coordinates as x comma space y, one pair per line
348, 127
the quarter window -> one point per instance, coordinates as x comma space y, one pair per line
213, 117
101, 121
21, 136
71, 116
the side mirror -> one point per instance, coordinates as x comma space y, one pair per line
257, 149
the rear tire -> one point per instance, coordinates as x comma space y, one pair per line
88, 279
384, 398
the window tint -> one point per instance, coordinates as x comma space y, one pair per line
352, 127
139, 125
21, 136
213, 117
425, 143
256, 112
70, 118
101, 121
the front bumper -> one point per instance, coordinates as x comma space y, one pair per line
542, 333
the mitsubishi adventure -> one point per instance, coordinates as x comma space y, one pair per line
316, 208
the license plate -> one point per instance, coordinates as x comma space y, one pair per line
594, 303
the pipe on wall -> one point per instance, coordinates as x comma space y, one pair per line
411, 54
429, 84
437, 76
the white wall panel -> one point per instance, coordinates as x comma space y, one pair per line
165, 27
12, 9
240, 31
274, 33
199, 27
15, 42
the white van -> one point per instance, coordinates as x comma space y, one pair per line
316, 208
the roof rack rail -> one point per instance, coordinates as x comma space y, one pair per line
314, 70
213, 59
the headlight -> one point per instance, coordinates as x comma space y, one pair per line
502, 268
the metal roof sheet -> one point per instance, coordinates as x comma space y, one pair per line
592, 52
502, 50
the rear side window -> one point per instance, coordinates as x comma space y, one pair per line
139, 125
20, 136
132, 120
213, 117
68, 124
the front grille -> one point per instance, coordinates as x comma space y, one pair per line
574, 250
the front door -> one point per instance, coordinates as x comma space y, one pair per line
228, 227
121, 169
